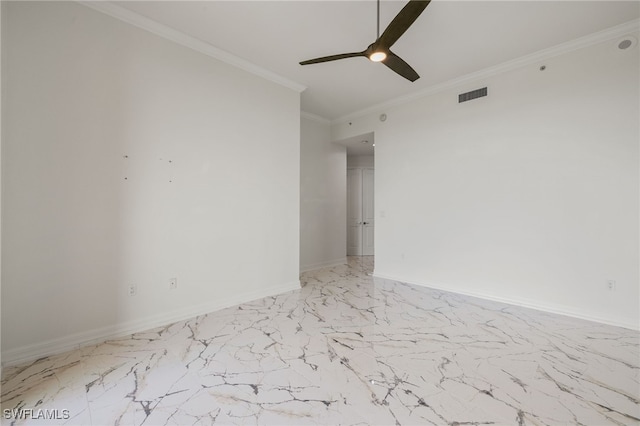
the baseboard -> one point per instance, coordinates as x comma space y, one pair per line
525, 303
327, 264
74, 341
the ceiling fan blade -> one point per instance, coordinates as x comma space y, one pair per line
395, 63
402, 22
332, 58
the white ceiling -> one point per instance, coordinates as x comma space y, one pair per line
359, 145
449, 40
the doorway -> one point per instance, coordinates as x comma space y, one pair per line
360, 217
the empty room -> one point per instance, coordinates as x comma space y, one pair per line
368, 212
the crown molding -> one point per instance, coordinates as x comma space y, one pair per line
561, 49
185, 40
314, 117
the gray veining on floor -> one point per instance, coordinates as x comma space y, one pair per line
345, 349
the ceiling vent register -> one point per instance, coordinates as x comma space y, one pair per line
474, 94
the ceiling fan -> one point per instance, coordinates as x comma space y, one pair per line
380, 50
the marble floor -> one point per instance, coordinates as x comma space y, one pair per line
345, 349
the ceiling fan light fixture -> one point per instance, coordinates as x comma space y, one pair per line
380, 49
378, 56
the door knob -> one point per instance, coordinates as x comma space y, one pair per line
365, 223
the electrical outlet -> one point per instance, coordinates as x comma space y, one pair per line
173, 283
133, 290
611, 285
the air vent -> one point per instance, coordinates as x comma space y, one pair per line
474, 94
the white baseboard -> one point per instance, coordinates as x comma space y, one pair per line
74, 341
327, 264
526, 303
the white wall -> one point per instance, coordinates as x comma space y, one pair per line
209, 192
529, 195
355, 161
323, 189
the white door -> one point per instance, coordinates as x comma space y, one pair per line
367, 212
354, 212
360, 212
